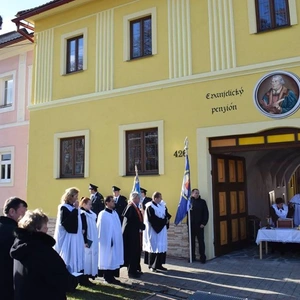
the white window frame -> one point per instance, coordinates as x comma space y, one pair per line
3, 78
126, 30
122, 143
11, 151
252, 15
56, 158
63, 49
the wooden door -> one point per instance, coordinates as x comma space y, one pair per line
230, 203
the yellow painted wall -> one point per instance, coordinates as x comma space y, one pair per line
264, 46
183, 107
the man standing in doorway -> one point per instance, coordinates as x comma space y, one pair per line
97, 199
199, 218
14, 209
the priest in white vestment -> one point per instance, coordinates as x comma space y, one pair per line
110, 238
155, 240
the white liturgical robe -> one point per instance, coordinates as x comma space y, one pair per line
111, 254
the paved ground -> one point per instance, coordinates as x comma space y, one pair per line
240, 274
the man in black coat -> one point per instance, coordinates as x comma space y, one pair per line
199, 218
14, 209
144, 198
132, 235
120, 201
97, 199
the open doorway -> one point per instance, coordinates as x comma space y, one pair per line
246, 178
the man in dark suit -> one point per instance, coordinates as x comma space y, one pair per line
199, 218
14, 209
97, 199
120, 201
144, 198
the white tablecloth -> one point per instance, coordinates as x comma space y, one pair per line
283, 235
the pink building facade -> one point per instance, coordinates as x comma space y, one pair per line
16, 60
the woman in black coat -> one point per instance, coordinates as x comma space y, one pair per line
39, 272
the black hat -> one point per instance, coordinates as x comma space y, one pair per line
115, 188
143, 190
93, 187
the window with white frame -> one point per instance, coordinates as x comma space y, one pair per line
6, 163
74, 51
140, 34
266, 15
6, 90
71, 154
141, 144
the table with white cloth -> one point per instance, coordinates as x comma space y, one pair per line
278, 235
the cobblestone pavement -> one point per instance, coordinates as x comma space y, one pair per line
240, 274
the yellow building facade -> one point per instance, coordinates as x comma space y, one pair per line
207, 77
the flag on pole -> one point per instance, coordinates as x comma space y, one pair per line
184, 202
136, 182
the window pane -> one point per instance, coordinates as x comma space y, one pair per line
8, 171
8, 92
281, 16
5, 157
136, 39
2, 172
264, 14
79, 156
67, 157
72, 58
80, 53
151, 151
147, 37
134, 150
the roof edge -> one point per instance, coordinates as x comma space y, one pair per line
40, 9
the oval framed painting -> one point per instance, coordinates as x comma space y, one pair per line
277, 94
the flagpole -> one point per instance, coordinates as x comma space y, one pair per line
186, 147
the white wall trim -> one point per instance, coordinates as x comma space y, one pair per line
293, 12
168, 83
122, 143
63, 48
11, 150
56, 152
10, 125
22, 79
126, 30
3, 77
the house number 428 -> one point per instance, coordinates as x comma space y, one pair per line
179, 153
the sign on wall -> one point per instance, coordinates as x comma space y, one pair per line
276, 95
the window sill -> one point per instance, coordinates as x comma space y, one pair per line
273, 29
140, 57
5, 106
71, 73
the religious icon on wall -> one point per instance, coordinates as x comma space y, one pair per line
276, 94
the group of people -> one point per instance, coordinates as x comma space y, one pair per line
94, 236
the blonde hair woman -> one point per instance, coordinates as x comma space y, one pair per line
68, 231
38, 270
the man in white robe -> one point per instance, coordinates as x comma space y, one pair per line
110, 238
155, 240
